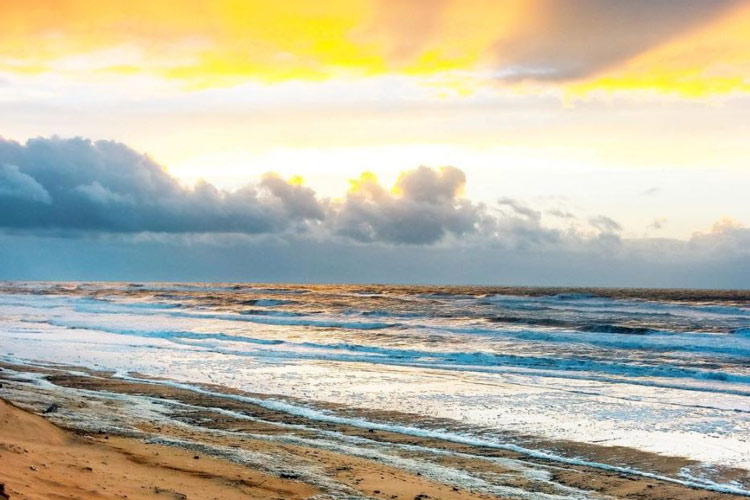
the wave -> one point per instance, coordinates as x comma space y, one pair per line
515, 320
265, 312
559, 323
554, 331
281, 318
263, 302
619, 329
671, 342
573, 296
464, 361
305, 321
165, 334
392, 314
655, 341
268, 302
610, 305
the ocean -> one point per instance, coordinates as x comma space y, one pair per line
549, 374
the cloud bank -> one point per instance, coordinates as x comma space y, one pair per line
80, 185
77, 184
104, 210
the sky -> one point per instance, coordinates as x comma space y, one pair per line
557, 142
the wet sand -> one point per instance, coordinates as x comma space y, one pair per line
96, 436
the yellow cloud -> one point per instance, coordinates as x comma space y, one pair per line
296, 180
213, 40
458, 44
712, 60
364, 183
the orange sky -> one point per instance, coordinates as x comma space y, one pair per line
223, 42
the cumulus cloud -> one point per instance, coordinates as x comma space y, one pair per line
77, 184
102, 186
295, 200
423, 208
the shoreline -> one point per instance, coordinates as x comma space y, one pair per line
338, 459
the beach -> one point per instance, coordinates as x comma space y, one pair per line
259, 385
214, 447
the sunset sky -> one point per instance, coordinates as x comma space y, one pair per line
546, 141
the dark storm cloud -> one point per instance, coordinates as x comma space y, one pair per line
127, 213
77, 184
131, 219
80, 185
570, 39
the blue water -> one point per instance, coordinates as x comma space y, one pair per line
662, 371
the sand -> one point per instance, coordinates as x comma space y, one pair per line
40, 460
113, 448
